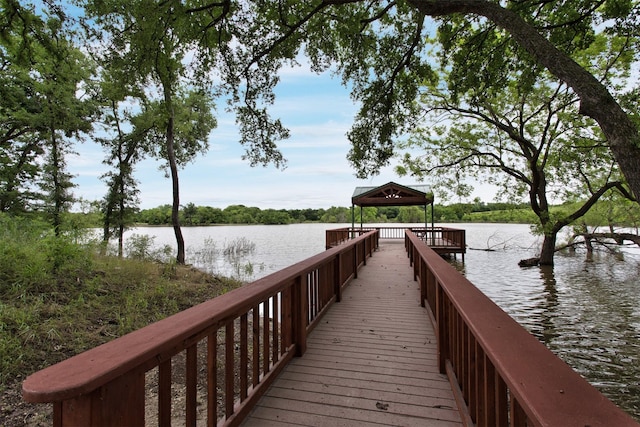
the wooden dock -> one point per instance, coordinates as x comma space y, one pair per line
443, 240
371, 361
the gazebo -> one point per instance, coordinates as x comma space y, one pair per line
392, 194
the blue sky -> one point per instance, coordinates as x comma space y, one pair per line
318, 111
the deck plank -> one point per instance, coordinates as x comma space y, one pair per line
371, 361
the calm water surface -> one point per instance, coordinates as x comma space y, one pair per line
587, 312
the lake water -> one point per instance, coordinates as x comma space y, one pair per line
587, 312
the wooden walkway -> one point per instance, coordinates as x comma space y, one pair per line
371, 361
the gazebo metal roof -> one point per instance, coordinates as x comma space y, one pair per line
392, 194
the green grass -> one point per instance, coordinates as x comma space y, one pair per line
520, 216
59, 298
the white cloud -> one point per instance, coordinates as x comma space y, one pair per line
318, 112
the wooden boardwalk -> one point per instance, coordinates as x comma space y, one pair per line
371, 361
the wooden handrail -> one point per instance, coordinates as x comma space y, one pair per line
504, 374
336, 236
453, 237
262, 324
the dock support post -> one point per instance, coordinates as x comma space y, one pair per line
300, 315
120, 402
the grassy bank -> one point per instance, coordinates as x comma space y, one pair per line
59, 298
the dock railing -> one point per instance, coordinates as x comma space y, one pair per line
230, 349
434, 236
500, 372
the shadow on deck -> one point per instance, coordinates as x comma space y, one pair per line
371, 360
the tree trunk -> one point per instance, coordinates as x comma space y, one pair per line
587, 243
106, 226
175, 208
57, 192
595, 100
548, 249
121, 229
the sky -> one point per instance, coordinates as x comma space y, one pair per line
318, 111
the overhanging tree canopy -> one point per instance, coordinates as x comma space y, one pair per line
382, 49
392, 194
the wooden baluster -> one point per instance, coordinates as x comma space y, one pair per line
364, 251
164, 393
256, 346
318, 291
490, 394
337, 277
441, 318
212, 379
424, 273
265, 341
286, 331
472, 400
300, 316
502, 401
229, 364
354, 266
322, 301
313, 296
192, 383
464, 363
518, 417
324, 274
275, 330
480, 386
244, 357
457, 347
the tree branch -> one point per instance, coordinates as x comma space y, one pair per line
284, 37
595, 100
590, 202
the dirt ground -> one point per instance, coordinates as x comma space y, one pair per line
14, 411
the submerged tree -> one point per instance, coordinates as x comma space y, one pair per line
526, 137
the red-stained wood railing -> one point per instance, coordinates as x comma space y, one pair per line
336, 236
444, 237
255, 330
503, 374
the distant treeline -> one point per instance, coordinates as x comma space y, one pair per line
240, 214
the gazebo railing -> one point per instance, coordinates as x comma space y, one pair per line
442, 237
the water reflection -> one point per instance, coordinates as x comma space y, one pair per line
603, 340
549, 308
